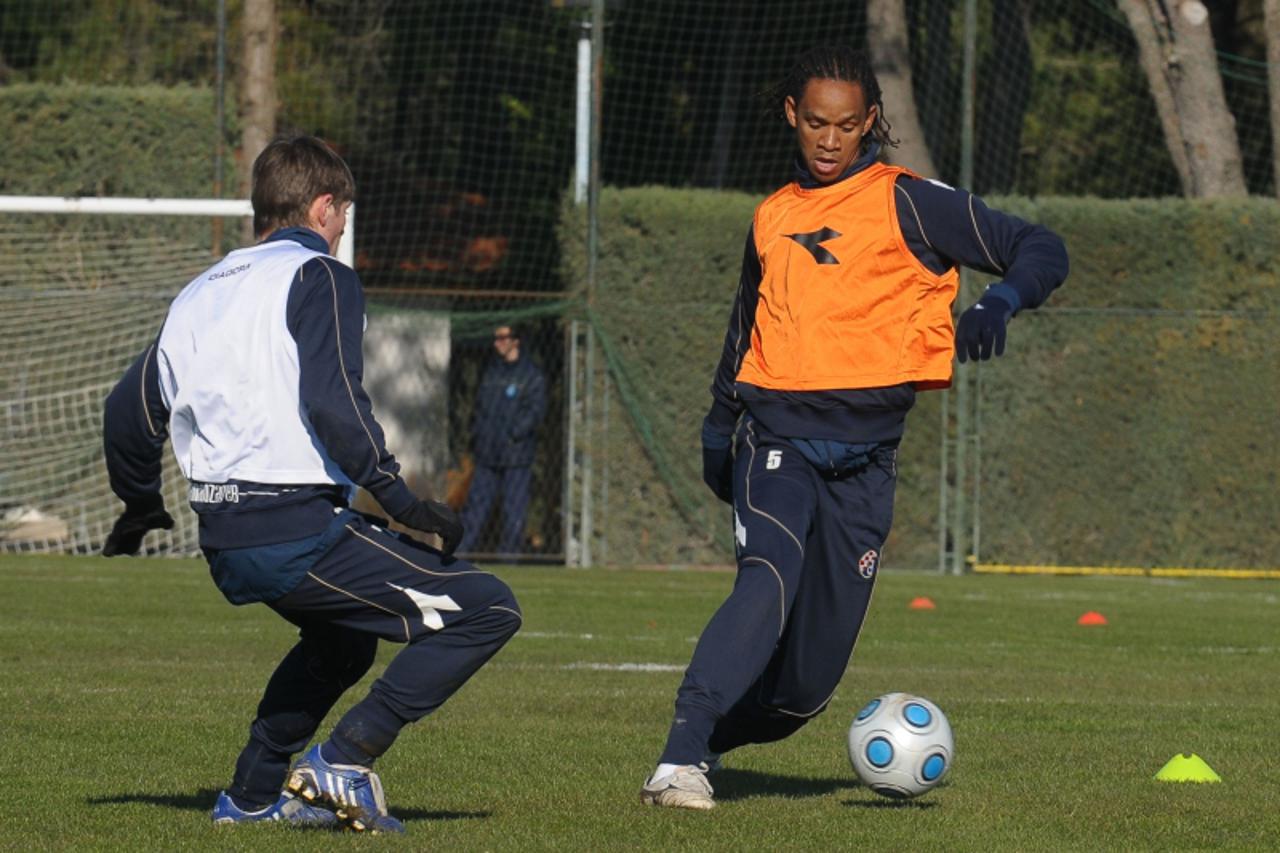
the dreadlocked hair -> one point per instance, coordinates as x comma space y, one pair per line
832, 62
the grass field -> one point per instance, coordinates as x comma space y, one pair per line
129, 685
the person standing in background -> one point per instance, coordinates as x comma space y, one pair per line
510, 403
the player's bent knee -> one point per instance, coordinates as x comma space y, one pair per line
509, 623
508, 614
501, 611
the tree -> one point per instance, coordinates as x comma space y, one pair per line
258, 91
890, 56
1271, 14
1006, 72
1176, 47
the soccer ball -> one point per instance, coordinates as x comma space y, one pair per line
900, 745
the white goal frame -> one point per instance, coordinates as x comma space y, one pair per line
51, 402
159, 207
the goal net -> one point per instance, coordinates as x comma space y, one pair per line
80, 297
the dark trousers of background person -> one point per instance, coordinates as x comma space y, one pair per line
486, 485
808, 546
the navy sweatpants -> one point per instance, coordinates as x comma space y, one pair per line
371, 584
808, 547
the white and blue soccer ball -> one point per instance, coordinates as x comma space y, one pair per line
901, 745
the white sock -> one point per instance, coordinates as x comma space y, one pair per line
663, 771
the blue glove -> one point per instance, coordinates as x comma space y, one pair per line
981, 329
717, 462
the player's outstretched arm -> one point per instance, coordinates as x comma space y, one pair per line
325, 315
135, 424
946, 227
726, 407
717, 462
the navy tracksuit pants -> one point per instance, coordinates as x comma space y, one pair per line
371, 584
808, 545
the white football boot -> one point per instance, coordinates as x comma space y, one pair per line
684, 788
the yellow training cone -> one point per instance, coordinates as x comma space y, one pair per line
1187, 768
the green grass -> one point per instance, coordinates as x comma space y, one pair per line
128, 687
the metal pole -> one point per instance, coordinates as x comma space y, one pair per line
603, 557
964, 400
571, 448
960, 518
968, 91
582, 123
944, 441
585, 527
977, 464
593, 246
220, 87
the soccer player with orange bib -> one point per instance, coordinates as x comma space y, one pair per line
843, 313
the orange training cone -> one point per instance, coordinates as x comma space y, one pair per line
1093, 617
922, 603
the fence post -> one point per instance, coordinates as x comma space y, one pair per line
964, 400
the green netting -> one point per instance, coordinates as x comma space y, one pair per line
1128, 424
459, 121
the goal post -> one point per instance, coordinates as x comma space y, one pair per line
84, 286
159, 207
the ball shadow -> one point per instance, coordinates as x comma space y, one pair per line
884, 803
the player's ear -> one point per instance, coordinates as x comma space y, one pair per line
320, 209
789, 106
872, 113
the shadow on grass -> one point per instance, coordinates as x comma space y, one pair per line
203, 800
733, 784
882, 803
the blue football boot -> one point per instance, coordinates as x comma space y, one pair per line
353, 792
287, 809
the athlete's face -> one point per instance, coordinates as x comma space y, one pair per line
830, 120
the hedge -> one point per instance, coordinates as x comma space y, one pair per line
1131, 421
80, 140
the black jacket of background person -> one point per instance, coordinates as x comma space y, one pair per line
510, 402
943, 227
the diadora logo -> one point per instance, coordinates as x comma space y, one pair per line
229, 272
430, 605
867, 564
813, 241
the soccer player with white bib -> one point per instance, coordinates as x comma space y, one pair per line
843, 313
255, 378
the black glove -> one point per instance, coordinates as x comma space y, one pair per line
126, 534
982, 328
717, 463
434, 517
